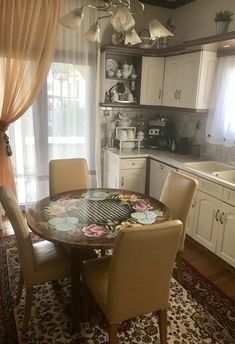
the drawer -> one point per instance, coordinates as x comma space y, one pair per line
229, 196
132, 163
210, 188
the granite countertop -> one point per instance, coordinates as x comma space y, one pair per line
175, 160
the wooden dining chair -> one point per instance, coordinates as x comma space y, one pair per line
177, 194
135, 280
40, 262
67, 175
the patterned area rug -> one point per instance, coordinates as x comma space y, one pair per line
199, 314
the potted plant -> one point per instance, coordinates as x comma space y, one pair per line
222, 20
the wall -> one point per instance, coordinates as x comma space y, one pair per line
196, 19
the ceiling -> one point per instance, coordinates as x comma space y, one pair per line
167, 3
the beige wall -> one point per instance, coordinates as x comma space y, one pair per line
195, 20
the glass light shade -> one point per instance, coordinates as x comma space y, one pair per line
73, 19
132, 37
93, 34
122, 20
156, 30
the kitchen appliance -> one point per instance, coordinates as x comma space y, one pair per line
160, 133
183, 146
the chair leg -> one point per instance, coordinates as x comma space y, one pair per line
162, 322
20, 288
27, 309
179, 265
113, 333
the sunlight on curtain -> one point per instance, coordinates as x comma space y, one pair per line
64, 121
221, 119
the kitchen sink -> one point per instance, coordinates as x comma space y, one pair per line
210, 166
226, 175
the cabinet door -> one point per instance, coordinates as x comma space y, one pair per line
132, 179
158, 174
226, 234
188, 80
152, 80
206, 220
171, 81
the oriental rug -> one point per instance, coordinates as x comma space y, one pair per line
199, 313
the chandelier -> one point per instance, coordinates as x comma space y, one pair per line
121, 15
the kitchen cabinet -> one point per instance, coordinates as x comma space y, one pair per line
188, 79
124, 173
152, 80
115, 61
158, 174
212, 219
206, 220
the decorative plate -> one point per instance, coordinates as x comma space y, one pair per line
111, 65
63, 224
95, 195
144, 217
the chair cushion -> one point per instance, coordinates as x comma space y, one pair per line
96, 272
51, 262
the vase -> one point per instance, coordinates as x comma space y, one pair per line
221, 27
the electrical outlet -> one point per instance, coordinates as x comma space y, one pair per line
198, 124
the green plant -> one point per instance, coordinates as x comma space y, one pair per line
224, 15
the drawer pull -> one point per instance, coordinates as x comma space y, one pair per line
217, 215
222, 218
122, 181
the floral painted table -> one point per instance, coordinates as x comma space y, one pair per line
91, 218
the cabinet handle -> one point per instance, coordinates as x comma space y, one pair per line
217, 215
222, 218
179, 94
160, 94
122, 181
176, 94
161, 167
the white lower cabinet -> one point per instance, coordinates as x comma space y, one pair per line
124, 173
158, 174
212, 220
206, 220
226, 234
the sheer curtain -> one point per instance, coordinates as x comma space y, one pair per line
28, 31
221, 119
64, 120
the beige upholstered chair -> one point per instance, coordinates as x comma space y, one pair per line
135, 280
177, 195
67, 175
39, 262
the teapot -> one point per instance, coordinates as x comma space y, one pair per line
126, 70
123, 120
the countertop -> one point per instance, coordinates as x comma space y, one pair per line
175, 160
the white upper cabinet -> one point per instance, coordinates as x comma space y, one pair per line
188, 79
152, 80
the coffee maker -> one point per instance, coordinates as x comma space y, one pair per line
160, 133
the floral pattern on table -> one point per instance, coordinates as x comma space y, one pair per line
83, 215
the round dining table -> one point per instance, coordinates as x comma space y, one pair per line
89, 219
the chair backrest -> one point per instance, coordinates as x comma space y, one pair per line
141, 269
67, 175
177, 195
18, 222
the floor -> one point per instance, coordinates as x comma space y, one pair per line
211, 266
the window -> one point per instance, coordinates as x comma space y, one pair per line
221, 119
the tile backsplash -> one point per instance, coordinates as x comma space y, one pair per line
191, 125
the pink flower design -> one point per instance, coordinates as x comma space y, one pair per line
142, 206
94, 230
